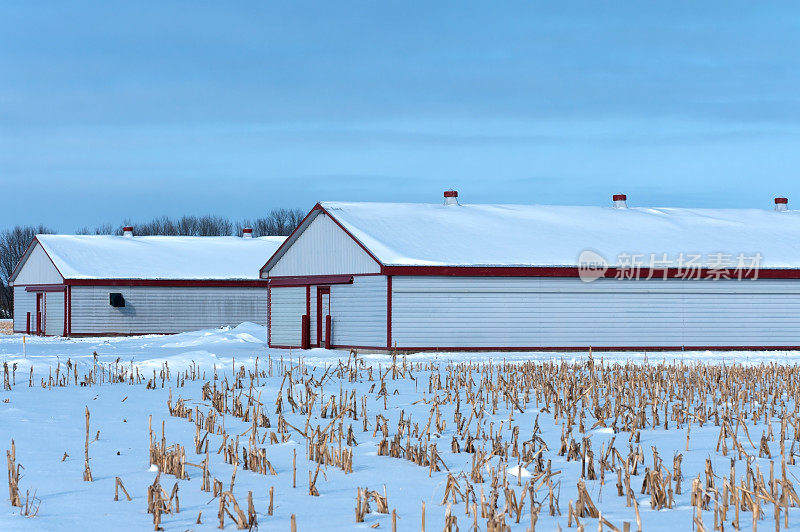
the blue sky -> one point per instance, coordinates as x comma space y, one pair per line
112, 110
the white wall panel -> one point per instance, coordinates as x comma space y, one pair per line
24, 302
38, 269
324, 249
547, 312
358, 312
156, 309
313, 315
54, 313
287, 306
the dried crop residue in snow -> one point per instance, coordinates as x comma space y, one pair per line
405, 442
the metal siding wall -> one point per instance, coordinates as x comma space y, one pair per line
24, 302
324, 249
520, 312
151, 309
38, 269
54, 313
358, 312
286, 309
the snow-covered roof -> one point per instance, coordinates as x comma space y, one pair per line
407, 234
158, 257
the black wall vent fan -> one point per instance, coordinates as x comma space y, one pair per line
115, 299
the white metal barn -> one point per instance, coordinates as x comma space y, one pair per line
532, 277
76, 285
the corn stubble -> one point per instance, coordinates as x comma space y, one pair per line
471, 409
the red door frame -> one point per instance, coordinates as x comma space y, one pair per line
39, 313
320, 291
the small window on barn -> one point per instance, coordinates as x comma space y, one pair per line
115, 299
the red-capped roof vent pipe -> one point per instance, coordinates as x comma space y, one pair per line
781, 204
451, 197
619, 201
127, 231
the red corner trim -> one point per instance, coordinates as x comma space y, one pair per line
269, 316
389, 312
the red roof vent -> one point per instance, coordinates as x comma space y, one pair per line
127, 231
451, 197
620, 201
781, 204
247, 233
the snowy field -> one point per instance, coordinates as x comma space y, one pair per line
473, 437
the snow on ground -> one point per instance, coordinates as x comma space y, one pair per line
47, 422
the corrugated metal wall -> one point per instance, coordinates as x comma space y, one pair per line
24, 302
324, 249
152, 309
38, 269
54, 313
287, 306
358, 312
520, 312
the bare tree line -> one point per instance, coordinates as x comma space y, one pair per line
14, 242
280, 222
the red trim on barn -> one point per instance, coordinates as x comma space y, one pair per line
380, 348
115, 334
613, 348
611, 273
450, 193
303, 280
571, 348
389, 311
247, 283
45, 288
269, 316
328, 333
782, 200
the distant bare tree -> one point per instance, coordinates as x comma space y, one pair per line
105, 229
13, 243
280, 222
